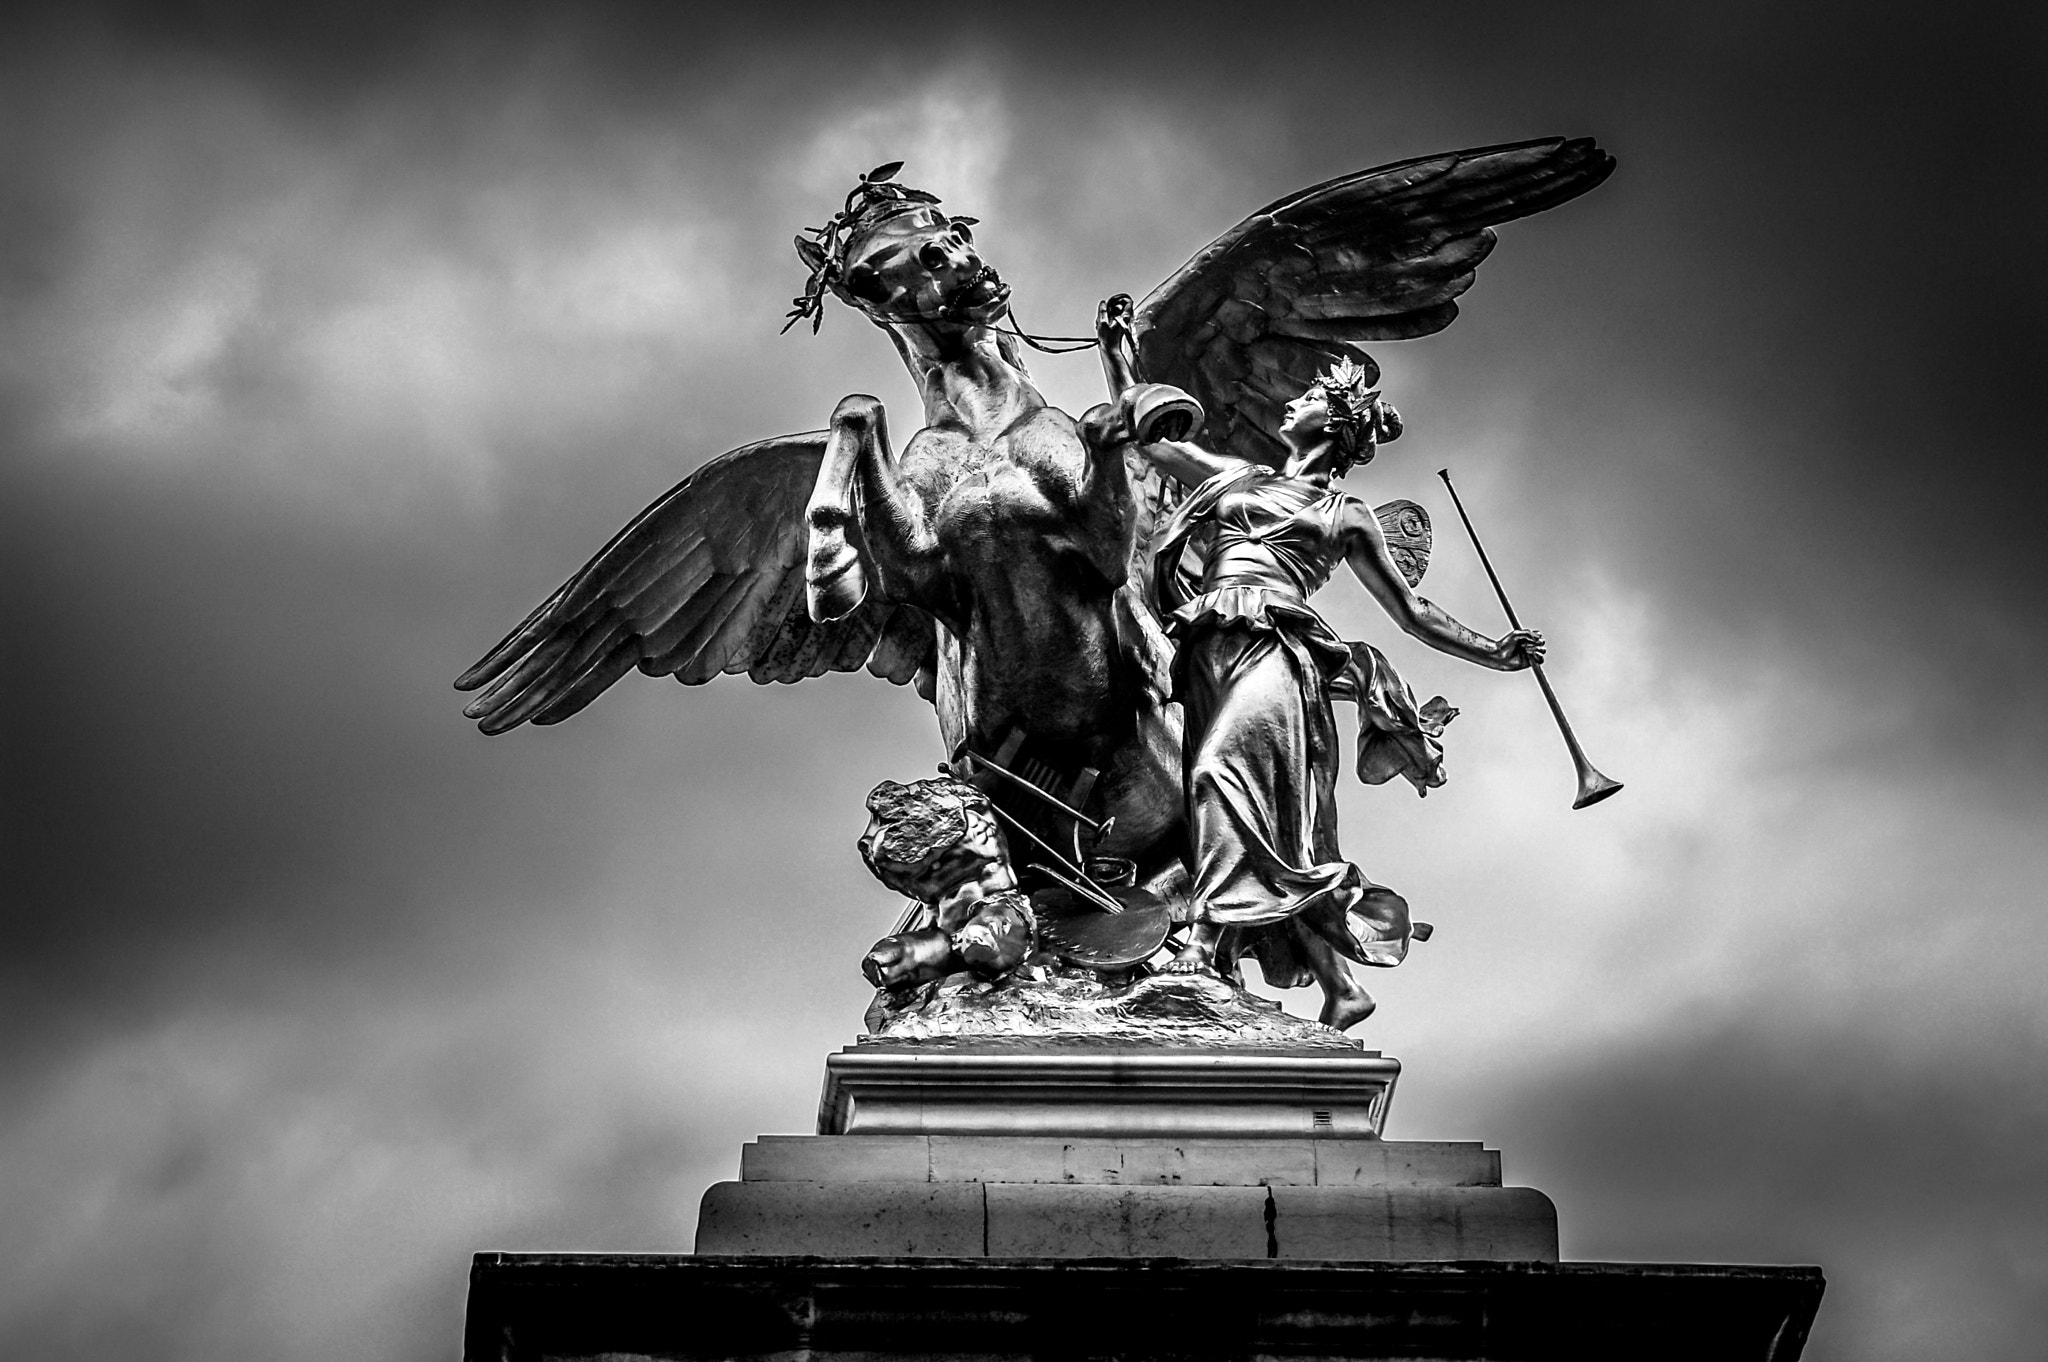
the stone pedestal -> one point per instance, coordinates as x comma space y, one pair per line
638, 1308
996, 1201
953, 1196
1085, 1151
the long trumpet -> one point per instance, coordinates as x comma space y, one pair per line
1593, 787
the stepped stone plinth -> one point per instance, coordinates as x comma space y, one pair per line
973, 1149
978, 1198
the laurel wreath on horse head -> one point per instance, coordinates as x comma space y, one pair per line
874, 199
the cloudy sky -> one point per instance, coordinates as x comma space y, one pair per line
330, 343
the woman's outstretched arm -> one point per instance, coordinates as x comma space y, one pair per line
1188, 464
1366, 551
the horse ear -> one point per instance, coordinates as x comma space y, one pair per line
810, 252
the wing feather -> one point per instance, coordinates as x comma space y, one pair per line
592, 682
681, 647
1379, 255
709, 579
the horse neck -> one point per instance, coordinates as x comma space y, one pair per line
967, 376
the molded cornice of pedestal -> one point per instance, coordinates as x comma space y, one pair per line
882, 1088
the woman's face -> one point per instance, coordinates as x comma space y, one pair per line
1308, 415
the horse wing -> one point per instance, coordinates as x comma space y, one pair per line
1254, 318
707, 580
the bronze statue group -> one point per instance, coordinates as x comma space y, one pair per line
1111, 617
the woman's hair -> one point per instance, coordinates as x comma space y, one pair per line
1359, 418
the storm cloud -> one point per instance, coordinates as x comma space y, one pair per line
332, 339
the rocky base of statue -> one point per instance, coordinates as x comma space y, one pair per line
1065, 1004
1087, 955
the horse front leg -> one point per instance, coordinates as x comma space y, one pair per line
835, 577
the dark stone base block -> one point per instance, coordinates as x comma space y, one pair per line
637, 1308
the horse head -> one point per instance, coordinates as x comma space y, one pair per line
894, 254
922, 266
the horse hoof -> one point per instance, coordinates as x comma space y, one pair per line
834, 582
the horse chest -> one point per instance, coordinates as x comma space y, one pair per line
1020, 492
997, 505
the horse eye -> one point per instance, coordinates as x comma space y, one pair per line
963, 231
862, 281
931, 255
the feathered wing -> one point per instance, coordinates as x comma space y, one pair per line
1251, 321
707, 580
1405, 526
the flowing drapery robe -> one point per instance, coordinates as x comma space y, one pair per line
1255, 672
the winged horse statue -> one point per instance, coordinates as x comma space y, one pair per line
997, 560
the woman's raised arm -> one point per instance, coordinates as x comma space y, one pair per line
1183, 462
1366, 550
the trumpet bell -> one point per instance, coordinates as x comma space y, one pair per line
1594, 787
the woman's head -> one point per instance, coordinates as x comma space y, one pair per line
1343, 408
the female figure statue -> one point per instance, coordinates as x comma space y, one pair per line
1255, 671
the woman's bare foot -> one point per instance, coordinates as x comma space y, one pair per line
1199, 955
1345, 1001
1345, 1004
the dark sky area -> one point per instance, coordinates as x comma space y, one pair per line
330, 341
